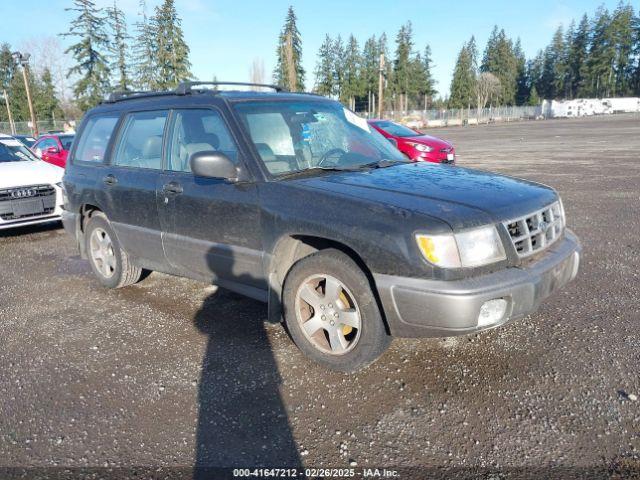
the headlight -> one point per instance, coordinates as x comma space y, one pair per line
421, 147
472, 248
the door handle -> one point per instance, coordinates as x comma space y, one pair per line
172, 187
110, 180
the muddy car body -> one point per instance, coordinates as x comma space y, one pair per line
293, 200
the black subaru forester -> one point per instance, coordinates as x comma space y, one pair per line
293, 200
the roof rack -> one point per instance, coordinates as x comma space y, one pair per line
185, 88
130, 94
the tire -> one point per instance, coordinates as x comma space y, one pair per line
309, 299
110, 264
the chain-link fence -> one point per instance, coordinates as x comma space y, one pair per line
24, 128
460, 116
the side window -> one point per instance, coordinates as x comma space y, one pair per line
197, 131
271, 130
140, 144
95, 139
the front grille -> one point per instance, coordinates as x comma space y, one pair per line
13, 199
534, 232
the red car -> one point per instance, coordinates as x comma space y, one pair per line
415, 145
53, 148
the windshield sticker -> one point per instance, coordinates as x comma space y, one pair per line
11, 143
356, 120
306, 133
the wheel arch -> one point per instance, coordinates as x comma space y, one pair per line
292, 248
86, 211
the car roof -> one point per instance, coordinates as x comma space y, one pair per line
199, 97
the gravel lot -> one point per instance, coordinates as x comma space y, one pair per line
172, 373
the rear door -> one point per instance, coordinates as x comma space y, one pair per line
130, 184
211, 227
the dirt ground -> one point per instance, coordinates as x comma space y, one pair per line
170, 373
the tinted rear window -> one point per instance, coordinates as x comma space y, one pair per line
95, 138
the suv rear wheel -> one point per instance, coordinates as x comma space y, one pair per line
109, 262
331, 313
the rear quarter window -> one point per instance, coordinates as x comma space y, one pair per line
94, 139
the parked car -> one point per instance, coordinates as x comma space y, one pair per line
414, 144
294, 200
54, 149
26, 140
30, 189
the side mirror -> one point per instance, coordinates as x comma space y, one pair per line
393, 141
52, 150
212, 164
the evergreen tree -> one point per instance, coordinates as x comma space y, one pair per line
534, 73
45, 100
119, 48
337, 54
534, 99
7, 72
522, 82
352, 86
635, 70
325, 79
500, 60
172, 52
559, 59
601, 59
402, 68
90, 53
622, 25
429, 83
464, 77
577, 42
370, 66
7, 66
578, 45
144, 52
289, 71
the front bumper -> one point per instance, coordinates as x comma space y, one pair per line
416, 307
50, 215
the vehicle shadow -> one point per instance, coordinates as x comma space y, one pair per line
242, 420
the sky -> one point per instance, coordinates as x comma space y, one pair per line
225, 36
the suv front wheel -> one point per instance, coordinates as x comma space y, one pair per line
331, 312
109, 262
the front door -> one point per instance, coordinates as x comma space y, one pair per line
131, 182
211, 228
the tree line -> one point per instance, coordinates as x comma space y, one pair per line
41, 87
345, 71
106, 58
597, 57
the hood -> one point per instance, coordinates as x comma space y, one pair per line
461, 197
429, 140
17, 174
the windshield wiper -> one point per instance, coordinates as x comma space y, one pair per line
383, 163
318, 169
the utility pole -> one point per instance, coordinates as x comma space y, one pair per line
23, 60
380, 85
12, 125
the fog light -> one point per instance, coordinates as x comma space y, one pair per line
492, 312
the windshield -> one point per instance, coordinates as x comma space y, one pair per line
396, 129
67, 141
299, 136
13, 151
